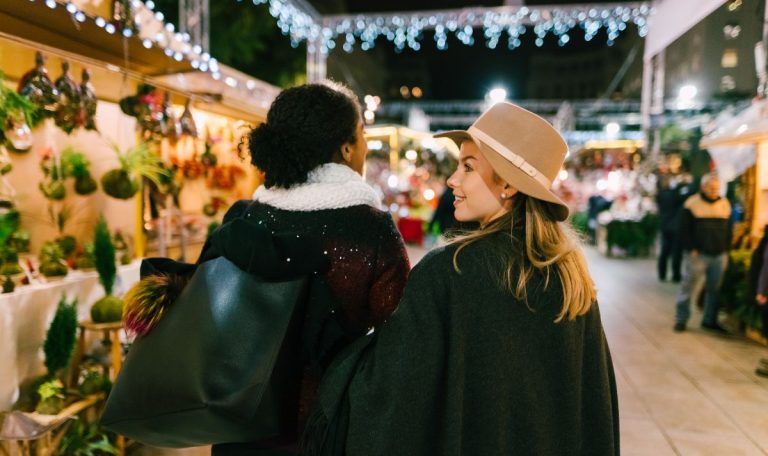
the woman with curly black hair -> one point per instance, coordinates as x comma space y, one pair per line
312, 151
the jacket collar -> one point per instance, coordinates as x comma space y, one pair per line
709, 200
329, 186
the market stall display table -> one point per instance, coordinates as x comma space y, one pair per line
111, 332
26, 314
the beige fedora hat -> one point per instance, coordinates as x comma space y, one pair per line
524, 150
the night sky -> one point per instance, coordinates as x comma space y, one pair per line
246, 37
460, 72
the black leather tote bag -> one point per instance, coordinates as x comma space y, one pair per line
204, 374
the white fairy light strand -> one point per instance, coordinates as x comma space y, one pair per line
406, 28
154, 32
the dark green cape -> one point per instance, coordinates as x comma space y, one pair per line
464, 368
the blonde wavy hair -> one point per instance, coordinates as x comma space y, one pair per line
548, 246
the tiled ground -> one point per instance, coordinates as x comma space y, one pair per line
679, 394
692, 393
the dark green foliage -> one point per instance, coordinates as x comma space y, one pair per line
13, 103
107, 310
85, 439
734, 292
247, 37
8, 285
579, 221
10, 221
60, 339
104, 255
636, 237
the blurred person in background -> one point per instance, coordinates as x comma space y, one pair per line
669, 200
705, 234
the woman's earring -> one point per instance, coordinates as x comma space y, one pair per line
503, 195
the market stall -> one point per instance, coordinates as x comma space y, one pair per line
118, 139
409, 168
739, 147
610, 194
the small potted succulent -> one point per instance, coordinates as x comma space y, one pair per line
52, 261
84, 258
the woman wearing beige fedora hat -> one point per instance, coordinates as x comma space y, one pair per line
496, 347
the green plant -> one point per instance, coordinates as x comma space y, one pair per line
9, 261
10, 220
60, 339
734, 292
75, 164
84, 258
104, 255
673, 135
636, 237
52, 397
12, 103
135, 163
51, 260
19, 241
85, 439
93, 380
580, 221
109, 308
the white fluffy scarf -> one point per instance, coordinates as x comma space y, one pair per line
329, 186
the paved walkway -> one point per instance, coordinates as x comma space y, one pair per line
689, 393
679, 394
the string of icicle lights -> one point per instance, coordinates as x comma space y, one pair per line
406, 29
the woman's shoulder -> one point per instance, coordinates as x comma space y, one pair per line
438, 260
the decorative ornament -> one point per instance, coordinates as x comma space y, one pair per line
38, 87
123, 17
187, 122
89, 101
403, 29
172, 129
69, 114
147, 107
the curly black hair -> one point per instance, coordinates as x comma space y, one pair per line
305, 127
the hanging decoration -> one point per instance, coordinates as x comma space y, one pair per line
17, 113
172, 127
69, 114
135, 163
187, 122
407, 28
147, 107
38, 87
123, 17
89, 102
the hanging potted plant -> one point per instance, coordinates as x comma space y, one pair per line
75, 164
17, 116
52, 185
109, 308
135, 163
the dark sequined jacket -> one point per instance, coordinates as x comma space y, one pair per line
367, 274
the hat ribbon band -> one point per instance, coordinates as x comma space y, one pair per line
510, 156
